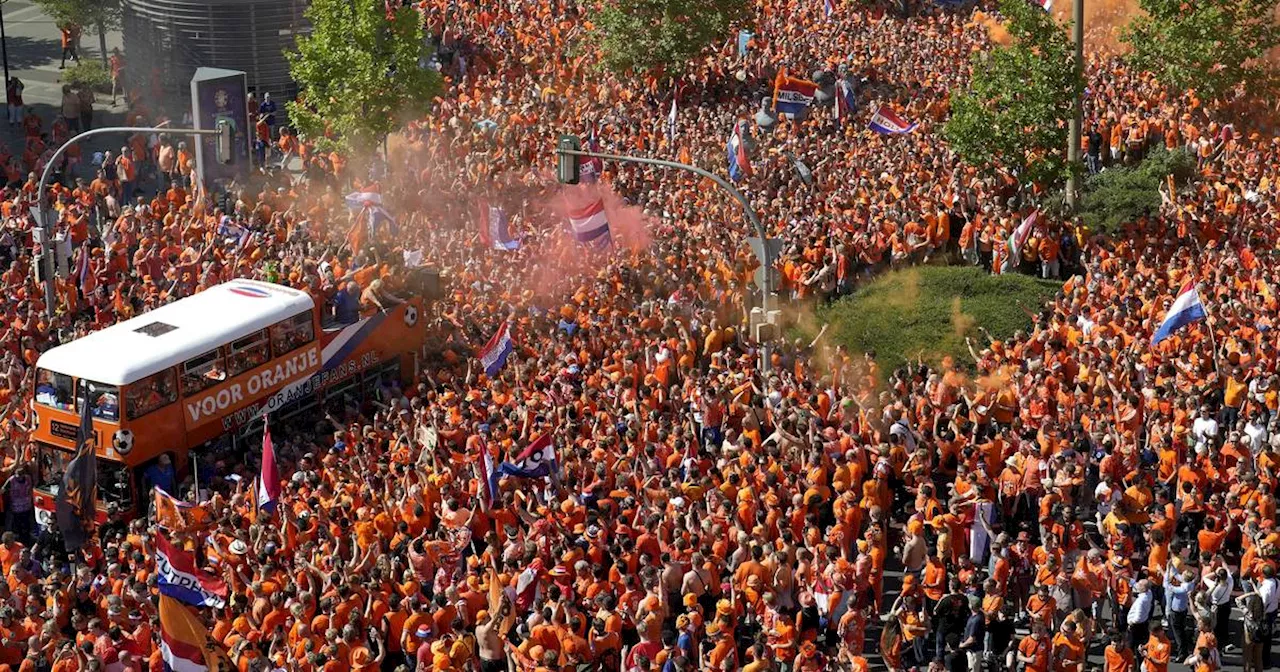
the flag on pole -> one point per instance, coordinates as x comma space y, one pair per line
828, 7
537, 460
269, 478
590, 223
77, 501
592, 167
181, 579
177, 515
846, 101
488, 476
1020, 235
885, 121
671, 121
791, 95
1187, 308
185, 644
496, 231
739, 162
493, 356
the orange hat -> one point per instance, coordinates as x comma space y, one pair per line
724, 607
690, 600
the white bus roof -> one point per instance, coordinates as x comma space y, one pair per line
129, 351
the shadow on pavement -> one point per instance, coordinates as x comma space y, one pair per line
27, 53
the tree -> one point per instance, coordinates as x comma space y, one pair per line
1014, 111
103, 15
648, 35
1207, 45
360, 74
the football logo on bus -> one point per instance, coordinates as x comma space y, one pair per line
252, 292
410, 315
123, 441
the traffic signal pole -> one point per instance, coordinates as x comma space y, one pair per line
47, 214
766, 285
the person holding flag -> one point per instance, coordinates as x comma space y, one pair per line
76, 504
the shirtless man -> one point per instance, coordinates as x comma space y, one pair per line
914, 551
491, 642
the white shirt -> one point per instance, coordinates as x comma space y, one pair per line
1220, 593
1204, 429
1140, 610
1269, 591
1257, 433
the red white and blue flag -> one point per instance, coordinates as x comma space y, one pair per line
739, 162
181, 579
846, 102
828, 7
792, 96
488, 475
590, 223
494, 354
592, 166
496, 229
1187, 308
537, 460
887, 122
269, 477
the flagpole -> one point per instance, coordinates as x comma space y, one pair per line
195, 474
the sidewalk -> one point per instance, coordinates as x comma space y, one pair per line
34, 47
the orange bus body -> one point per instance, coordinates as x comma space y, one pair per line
381, 343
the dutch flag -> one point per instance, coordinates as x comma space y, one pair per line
887, 122
494, 354
1187, 308
590, 223
739, 163
269, 478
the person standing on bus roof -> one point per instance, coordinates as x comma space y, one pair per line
161, 473
346, 303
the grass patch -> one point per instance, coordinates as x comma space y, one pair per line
930, 310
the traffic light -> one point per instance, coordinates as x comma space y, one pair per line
569, 165
224, 149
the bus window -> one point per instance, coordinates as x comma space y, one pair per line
53, 464
291, 334
104, 401
114, 483
54, 389
202, 372
248, 353
150, 393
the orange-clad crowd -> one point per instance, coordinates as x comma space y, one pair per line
1073, 497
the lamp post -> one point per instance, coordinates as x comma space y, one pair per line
4, 47
766, 283
47, 215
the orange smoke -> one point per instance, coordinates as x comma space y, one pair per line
1103, 20
996, 31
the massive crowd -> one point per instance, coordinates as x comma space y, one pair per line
1073, 490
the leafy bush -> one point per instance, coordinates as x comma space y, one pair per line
89, 73
1122, 194
929, 311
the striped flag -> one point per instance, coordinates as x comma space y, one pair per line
181, 579
494, 354
590, 223
268, 486
185, 644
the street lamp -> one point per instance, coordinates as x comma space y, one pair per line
4, 47
46, 215
567, 171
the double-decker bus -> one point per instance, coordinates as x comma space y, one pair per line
176, 378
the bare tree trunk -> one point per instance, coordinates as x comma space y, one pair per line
102, 43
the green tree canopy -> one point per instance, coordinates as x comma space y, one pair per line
360, 74
646, 35
1015, 110
1207, 45
104, 13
